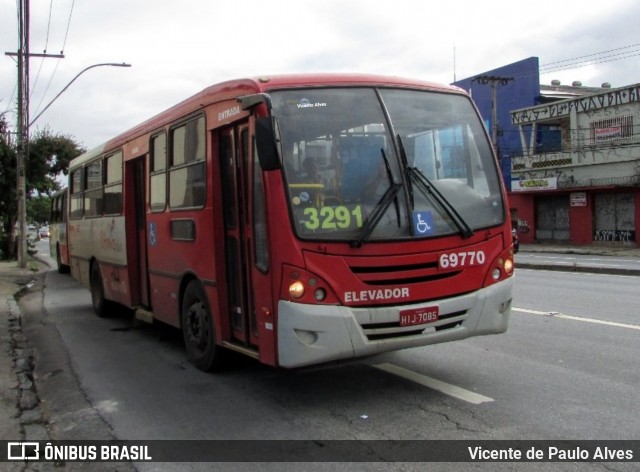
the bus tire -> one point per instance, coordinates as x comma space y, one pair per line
198, 329
100, 304
62, 268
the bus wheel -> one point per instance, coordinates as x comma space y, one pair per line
62, 268
197, 328
97, 291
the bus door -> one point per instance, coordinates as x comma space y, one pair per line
136, 226
234, 160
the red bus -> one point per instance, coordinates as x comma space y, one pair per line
58, 230
300, 219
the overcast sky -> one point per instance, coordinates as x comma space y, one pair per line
177, 48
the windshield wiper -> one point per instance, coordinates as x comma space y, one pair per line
376, 215
426, 187
381, 207
387, 167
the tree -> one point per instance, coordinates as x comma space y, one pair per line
39, 209
49, 155
8, 203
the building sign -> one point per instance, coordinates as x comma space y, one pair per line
531, 185
579, 199
607, 134
622, 96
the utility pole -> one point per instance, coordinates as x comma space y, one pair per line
23, 129
23, 56
494, 81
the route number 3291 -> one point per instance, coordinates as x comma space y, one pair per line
333, 218
454, 260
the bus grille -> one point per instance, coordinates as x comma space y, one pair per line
395, 273
380, 331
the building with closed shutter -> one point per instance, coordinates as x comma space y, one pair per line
576, 179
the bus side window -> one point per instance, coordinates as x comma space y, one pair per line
158, 173
187, 178
76, 209
93, 190
112, 204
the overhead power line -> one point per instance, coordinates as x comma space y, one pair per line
66, 34
591, 55
610, 55
64, 43
46, 45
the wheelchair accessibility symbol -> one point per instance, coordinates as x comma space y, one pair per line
422, 223
153, 240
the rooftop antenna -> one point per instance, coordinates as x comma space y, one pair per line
454, 63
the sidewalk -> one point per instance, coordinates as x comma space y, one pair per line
608, 259
20, 413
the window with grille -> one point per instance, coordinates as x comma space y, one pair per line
612, 130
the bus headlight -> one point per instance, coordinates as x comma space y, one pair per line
508, 266
296, 289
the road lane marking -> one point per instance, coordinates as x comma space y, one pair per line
577, 318
434, 384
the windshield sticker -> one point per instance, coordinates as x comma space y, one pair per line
422, 223
305, 103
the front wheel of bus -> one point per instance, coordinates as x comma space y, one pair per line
197, 329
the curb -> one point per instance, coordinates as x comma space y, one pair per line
578, 269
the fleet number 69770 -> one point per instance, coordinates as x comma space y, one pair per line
453, 260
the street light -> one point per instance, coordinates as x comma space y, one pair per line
111, 64
21, 178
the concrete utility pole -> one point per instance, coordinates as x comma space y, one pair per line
23, 129
494, 82
23, 56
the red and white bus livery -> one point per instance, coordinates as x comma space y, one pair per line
300, 219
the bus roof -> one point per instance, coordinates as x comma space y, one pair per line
252, 85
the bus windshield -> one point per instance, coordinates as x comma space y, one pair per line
367, 164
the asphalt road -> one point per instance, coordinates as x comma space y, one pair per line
566, 369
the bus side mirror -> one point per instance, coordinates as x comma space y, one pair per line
266, 144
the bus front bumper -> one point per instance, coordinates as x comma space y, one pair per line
313, 334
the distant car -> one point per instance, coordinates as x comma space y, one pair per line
516, 240
44, 232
